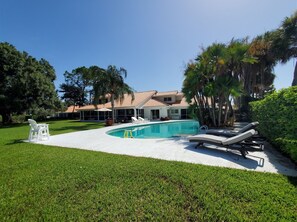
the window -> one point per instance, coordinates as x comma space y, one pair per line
167, 99
174, 111
155, 114
185, 114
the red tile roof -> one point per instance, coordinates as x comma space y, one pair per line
140, 99
169, 93
154, 103
71, 109
182, 103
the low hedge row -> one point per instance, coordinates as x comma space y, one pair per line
277, 114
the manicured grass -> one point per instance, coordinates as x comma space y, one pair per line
50, 183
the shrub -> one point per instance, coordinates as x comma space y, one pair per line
288, 146
41, 114
278, 120
19, 118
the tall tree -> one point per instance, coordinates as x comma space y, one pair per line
257, 73
76, 87
215, 79
284, 42
25, 83
111, 82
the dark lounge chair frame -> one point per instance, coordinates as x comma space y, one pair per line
243, 146
230, 133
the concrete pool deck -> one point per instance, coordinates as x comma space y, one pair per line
174, 149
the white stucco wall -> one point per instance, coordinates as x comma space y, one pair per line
162, 110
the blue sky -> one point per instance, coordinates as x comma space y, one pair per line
152, 39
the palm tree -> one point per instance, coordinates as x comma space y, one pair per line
285, 42
261, 74
216, 77
193, 89
237, 59
111, 82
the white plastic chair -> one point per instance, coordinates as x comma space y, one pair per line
38, 131
134, 120
140, 119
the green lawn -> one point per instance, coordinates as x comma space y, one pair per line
42, 183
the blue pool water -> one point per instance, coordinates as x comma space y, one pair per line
158, 130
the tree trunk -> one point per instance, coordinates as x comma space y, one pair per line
213, 104
199, 109
112, 107
220, 111
294, 83
207, 109
226, 111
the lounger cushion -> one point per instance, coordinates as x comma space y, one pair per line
207, 138
219, 140
248, 127
239, 137
226, 133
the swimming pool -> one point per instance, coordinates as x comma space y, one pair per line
158, 130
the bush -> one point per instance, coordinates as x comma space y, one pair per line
288, 146
19, 118
278, 120
41, 114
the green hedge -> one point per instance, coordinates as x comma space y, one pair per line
277, 114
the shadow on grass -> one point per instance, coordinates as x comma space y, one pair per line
13, 142
65, 121
14, 125
293, 181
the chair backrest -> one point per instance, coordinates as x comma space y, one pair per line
248, 127
33, 123
134, 119
240, 137
140, 118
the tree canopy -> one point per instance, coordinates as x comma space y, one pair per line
110, 82
241, 71
26, 84
215, 78
98, 83
284, 42
76, 88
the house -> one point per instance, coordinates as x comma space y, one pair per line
166, 104
151, 105
70, 113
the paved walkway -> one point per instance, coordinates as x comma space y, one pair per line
175, 149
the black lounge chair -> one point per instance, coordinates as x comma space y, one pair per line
238, 142
230, 133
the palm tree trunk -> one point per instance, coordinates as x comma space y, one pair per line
229, 117
220, 110
196, 99
207, 106
226, 110
294, 83
200, 109
213, 111
112, 107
